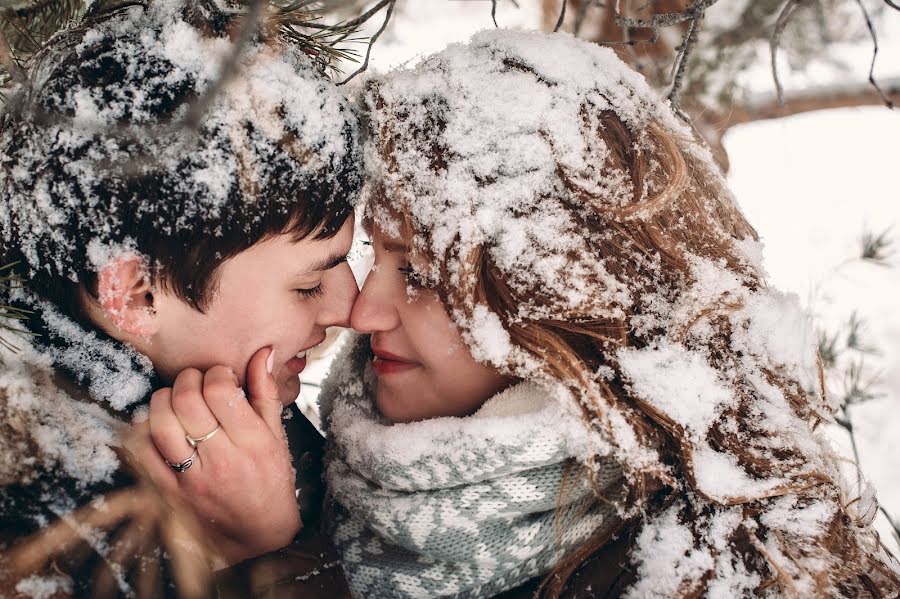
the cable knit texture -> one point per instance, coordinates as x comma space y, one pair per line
455, 507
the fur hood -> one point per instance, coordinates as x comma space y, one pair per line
46, 424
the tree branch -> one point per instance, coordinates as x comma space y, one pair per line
689, 42
775, 41
361, 19
562, 16
872, 81
387, 17
766, 106
7, 60
249, 28
667, 19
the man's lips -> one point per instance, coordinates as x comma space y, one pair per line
295, 366
386, 363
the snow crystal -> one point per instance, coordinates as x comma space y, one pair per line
45, 587
786, 513
678, 382
674, 557
491, 344
719, 475
65, 432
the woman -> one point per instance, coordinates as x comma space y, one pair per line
577, 379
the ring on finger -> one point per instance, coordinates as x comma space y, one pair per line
195, 441
183, 465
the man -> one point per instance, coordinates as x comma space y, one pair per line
152, 243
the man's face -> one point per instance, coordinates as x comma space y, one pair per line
277, 293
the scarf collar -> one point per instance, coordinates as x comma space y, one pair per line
456, 507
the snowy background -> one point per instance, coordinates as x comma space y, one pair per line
811, 185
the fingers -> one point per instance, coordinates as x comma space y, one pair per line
229, 406
189, 406
167, 432
146, 456
264, 390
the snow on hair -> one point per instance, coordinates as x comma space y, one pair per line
93, 150
547, 192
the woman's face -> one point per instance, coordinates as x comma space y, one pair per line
423, 368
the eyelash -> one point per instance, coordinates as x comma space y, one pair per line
412, 278
316, 291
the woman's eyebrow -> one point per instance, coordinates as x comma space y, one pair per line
396, 246
322, 265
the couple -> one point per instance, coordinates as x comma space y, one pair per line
572, 379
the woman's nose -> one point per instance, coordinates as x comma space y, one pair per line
375, 308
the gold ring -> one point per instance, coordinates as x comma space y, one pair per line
195, 441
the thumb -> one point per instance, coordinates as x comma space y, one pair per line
263, 390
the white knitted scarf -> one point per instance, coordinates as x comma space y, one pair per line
456, 507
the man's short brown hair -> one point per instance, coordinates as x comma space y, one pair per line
92, 154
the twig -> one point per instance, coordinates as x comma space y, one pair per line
887, 101
562, 16
667, 19
198, 109
354, 22
688, 43
494, 12
892, 5
387, 17
783, 18
8, 61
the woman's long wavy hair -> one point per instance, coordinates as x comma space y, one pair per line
690, 214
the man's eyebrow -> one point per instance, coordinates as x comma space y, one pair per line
322, 265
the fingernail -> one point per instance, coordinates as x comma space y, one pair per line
270, 363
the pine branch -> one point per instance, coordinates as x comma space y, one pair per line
8, 61
356, 23
10, 316
876, 248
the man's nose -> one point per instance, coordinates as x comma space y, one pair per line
339, 301
374, 309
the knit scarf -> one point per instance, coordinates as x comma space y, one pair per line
456, 507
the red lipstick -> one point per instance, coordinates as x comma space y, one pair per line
386, 363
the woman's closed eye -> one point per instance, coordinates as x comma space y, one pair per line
413, 279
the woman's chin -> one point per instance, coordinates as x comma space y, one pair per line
394, 409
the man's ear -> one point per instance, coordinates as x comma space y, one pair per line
126, 295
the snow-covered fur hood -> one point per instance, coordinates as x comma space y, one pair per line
44, 427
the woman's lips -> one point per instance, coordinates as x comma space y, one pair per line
386, 363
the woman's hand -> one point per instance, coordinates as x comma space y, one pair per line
241, 481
